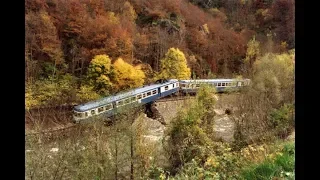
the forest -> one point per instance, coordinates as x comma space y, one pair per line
82, 50
63, 38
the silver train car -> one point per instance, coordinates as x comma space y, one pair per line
111, 105
220, 85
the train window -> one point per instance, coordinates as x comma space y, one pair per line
143, 95
177, 84
173, 85
108, 107
86, 114
149, 93
78, 114
119, 103
133, 99
139, 96
154, 92
183, 85
223, 84
100, 109
93, 112
166, 88
219, 84
197, 85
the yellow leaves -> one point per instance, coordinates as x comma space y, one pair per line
279, 66
103, 79
117, 76
98, 72
86, 93
129, 11
284, 45
205, 28
255, 153
212, 162
101, 61
98, 69
127, 75
174, 65
253, 51
113, 18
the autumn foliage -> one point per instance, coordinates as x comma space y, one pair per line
66, 36
174, 65
120, 75
127, 76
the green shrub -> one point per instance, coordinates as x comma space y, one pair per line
282, 166
282, 120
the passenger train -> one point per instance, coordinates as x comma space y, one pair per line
111, 105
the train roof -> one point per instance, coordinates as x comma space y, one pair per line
121, 95
211, 80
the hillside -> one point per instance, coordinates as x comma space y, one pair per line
63, 38
82, 50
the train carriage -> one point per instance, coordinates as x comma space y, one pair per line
109, 106
220, 85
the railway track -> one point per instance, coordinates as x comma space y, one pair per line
35, 113
65, 112
175, 98
52, 131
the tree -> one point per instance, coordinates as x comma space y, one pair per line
99, 72
174, 65
190, 132
272, 87
253, 52
42, 42
129, 12
274, 75
127, 76
73, 19
284, 21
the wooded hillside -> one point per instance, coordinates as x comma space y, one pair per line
63, 37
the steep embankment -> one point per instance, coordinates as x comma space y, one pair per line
223, 125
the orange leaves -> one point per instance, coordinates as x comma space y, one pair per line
41, 38
105, 34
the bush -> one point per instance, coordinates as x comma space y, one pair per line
59, 91
190, 130
281, 167
282, 120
